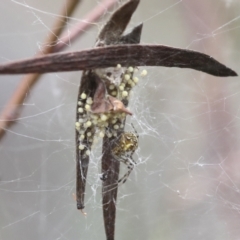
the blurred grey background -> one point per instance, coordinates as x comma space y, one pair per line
187, 182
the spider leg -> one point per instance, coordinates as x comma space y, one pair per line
130, 165
135, 131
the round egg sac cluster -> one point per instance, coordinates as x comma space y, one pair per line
91, 126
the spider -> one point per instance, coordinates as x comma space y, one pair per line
123, 152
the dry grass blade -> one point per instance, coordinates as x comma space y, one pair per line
112, 31
110, 188
96, 89
126, 55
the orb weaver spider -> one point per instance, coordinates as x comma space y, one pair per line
124, 150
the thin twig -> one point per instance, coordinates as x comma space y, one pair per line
126, 55
11, 110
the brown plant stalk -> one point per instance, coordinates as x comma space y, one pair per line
110, 56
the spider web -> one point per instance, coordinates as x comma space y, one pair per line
186, 184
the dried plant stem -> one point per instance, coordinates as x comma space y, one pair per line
11, 110
110, 188
126, 55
